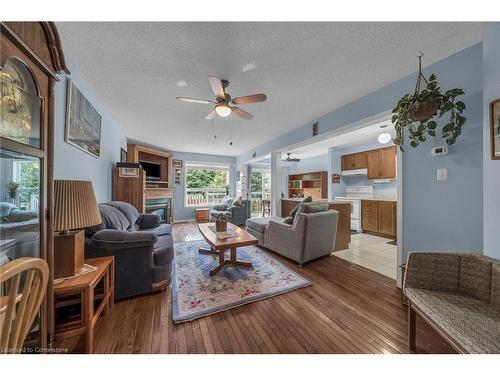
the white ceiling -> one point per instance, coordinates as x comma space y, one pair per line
368, 134
305, 69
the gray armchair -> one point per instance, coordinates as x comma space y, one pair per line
239, 214
310, 236
142, 247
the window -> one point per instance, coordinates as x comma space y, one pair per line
206, 185
260, 188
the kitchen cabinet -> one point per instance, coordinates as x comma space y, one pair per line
369, 216
354, 161
381, 163
379, 217
387, 218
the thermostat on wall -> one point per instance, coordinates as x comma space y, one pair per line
439, 151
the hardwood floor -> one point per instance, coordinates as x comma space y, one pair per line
348, 309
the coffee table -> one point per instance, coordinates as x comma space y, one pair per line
220, 246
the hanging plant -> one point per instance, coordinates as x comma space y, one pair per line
416, 113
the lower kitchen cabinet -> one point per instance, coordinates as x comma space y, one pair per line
379, 217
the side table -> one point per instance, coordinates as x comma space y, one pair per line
81, 289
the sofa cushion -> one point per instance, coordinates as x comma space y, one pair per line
293, 211
161, 230
5, 208
473, 324
163, 250
16, 215
310, 208
259, 224
126, 209
112, 218
238, 202
475, 278
220, 207
287, 220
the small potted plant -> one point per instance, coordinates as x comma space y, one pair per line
221, 221
13, 187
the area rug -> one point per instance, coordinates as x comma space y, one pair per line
195, 293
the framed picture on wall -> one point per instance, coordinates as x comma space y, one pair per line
83, 122
495, 129
123, 155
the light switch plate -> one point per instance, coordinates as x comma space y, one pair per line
442, 174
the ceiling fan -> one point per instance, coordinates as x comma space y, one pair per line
224, 105
291, 160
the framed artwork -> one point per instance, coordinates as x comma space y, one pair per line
123, 155
495, 129
128, 172
83, 122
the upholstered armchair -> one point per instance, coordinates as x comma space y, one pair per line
311, 234
239, 212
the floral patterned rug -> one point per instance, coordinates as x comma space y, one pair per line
196, 294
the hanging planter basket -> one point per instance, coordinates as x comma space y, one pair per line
416, 113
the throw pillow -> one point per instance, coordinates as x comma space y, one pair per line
287, 220
294, 210
238, 202
315, 207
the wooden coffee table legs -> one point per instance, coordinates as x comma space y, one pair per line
222, 259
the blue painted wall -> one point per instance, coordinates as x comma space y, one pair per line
437, 215
181, 212
491, 87
74, 164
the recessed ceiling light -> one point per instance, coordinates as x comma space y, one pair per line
182, 83
249, 66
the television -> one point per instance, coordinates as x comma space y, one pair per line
152, 170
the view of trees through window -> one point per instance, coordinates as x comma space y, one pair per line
206, 186
260, 188
29, 184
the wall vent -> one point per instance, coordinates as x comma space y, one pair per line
315, 129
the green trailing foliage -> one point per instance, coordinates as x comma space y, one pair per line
419, 130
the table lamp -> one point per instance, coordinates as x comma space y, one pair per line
75, 208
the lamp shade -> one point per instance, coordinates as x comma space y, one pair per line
75, 206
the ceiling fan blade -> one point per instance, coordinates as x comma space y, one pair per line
249, 99
194, 100
211, 115
217, 88
241, 113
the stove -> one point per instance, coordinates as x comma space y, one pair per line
355, 194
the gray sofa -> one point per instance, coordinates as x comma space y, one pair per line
142, 246
310, 235
239, 213
458, 295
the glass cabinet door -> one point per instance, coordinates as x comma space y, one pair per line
19, 206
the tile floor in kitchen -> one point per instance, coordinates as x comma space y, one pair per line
372, 252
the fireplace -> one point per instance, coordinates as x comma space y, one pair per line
160, 206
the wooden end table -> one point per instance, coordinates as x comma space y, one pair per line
84, 286
219, 246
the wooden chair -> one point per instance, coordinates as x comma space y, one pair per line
19, 305
266, 207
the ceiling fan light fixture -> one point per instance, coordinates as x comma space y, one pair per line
384, 138
223, 110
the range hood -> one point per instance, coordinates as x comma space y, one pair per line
355, 172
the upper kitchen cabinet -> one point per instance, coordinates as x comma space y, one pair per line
382, 163
354, 161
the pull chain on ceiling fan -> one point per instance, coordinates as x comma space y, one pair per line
224, 105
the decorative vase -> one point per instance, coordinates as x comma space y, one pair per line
221, 226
